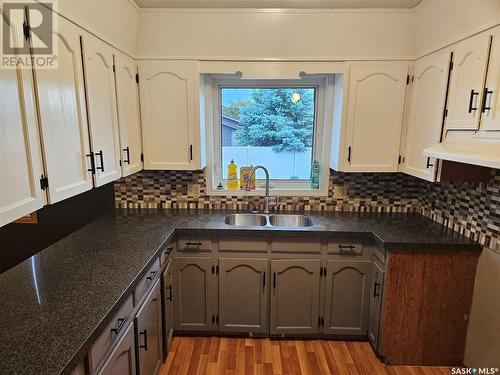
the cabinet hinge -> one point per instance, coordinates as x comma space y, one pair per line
446, 112
451, 64
120, 163
114, 68
142, 157
213, 269
408, 79
217, 269
137, 78
44, 182
217, 318
399, 159
26, 31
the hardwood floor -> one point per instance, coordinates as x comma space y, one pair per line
233, 356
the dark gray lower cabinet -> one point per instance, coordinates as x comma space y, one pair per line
122, 360
168, 307
347, 297
243, 286
295, 295
193, 293
148, 333
377, 285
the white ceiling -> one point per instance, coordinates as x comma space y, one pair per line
298, 4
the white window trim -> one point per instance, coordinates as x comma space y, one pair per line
322, 132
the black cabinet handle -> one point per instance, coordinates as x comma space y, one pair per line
197, 244
169, 298
274, 280
485, 99
349, 154
471, 100
145, 334
152, 275
346, 247
168, 251
190, 152
121, 323
127, 150
92, 162
375, 290
264, 280
101, 158
429, 163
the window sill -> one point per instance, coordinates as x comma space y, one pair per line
273, 192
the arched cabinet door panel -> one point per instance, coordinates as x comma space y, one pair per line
470, 59
101, 106
347, 297
295, 295
63, 119
20, 158
193, 294
122, 359
170, 114
243, 286
430, 81
129, 114
490, 119
375, 116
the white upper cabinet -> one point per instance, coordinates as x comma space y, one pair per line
375, 116
62, 116
170, 114
470, 59
101, 107
429, 84
20, 159
490, 119
129, 114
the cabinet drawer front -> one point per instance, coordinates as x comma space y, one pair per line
345, 248
166, 252
147, 281
194, 244
296, 245
243, 244
111, 333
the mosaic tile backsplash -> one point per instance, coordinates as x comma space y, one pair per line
472, 209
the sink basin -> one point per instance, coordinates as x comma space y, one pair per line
290, 221
246, 220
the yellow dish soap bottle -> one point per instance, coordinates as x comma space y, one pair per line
232, 176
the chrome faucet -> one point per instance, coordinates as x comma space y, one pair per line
267, 198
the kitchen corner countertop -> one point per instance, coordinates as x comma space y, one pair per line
55, 304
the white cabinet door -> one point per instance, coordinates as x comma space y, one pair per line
470, 58
375, 116
426, 112
490, 119
20, 158
63, 120
129, 114
170, 114
101, 107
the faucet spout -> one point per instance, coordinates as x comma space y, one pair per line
268, 195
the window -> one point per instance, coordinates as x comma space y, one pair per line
278, 124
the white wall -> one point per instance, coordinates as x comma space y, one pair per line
441, 22
275, 34
115, 21
483, 341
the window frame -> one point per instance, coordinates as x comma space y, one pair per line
321, 131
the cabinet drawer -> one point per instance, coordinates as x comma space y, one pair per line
166, 252
345, 248
111, 333
147, 281
194, 244
296, 245
243, 244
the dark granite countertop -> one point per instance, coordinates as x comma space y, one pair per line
54, 304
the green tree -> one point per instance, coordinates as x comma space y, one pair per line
273, 119
233, 109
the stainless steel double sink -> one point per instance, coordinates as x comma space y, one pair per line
258, 220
